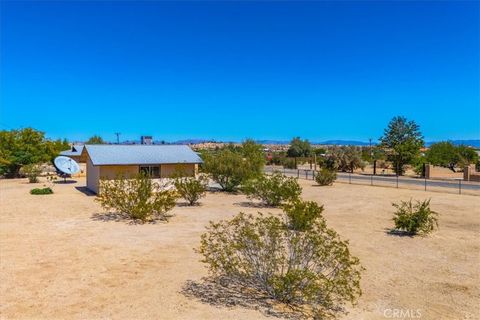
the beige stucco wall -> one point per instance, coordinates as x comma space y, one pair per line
166, 170
93, 176
432, 172
111, 172
470, 174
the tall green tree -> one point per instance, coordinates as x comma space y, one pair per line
95, 140
402, 140
442, 154
53, 147
467, 155
26, 146
446, 154
299, 148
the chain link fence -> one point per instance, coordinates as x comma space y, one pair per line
457, 186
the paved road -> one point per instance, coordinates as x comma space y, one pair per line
387, 180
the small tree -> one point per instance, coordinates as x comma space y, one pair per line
273, 189
31, 171
254, 156
23, 147
443, 154
298, 261
414, 218
346, 158
325, 177
228, 168
138, 198
299, 148
95, 140
191, 188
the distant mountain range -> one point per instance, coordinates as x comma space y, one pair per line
472, 143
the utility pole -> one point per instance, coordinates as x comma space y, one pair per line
118, 137
371, 156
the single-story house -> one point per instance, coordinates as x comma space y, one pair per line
160, 161
76, 153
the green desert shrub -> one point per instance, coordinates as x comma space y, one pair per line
289, 163
273, 190
304, 265
325, 177
38, 191
191, 188
345, 158
138, 198
31, 171
301, 215
415, 217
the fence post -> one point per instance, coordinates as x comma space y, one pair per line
397, 181
298, 173
306, 174
425, 183
459, 186
371, 180
349, 178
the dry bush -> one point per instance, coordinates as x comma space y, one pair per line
325, 177
415, 218
191, 188
297, 260
273, 189
138, 198
31, 171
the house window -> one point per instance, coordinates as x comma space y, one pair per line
152, 171
155, 172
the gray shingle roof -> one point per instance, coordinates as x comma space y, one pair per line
75, 151
141, 154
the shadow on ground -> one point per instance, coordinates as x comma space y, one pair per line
85, 191
398, 233
225, 293
220, 190
61, 181
250, 204
186, 204
120, 217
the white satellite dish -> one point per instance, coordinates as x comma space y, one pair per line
66, 165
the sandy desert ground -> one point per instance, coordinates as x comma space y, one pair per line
61, 259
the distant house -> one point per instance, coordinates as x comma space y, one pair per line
146, 140
159, 161
76, 153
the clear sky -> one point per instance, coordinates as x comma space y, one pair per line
230, 70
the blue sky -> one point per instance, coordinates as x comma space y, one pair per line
230, 70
